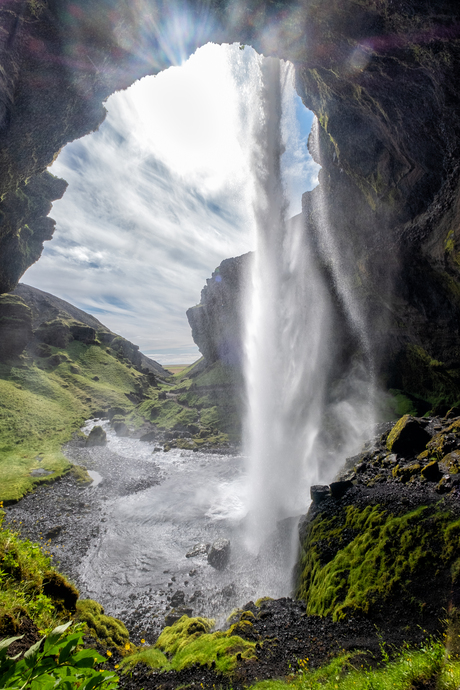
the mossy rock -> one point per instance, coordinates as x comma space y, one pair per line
407, 437
106, 629
374, 557
451, 463
61, 591
406, 473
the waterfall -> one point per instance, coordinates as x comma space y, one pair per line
289, 346
287, 330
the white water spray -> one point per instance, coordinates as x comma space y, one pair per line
288, 348
287, 326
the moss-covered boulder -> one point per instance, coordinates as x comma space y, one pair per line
106, 629
408, 436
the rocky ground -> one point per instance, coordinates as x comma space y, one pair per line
418, 464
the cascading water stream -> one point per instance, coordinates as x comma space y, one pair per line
287, 327
289, 352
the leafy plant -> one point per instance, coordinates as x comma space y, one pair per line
54, 662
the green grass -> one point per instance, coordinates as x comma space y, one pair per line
42, 404
426, 667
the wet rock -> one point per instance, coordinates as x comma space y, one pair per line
174, 615
178, 599
431, 472
319, 492
121, 429
229, 591
197, 550
219, 554
54, 532
97, 437
339, 489
408, 436
150, 436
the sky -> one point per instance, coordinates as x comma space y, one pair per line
161, 194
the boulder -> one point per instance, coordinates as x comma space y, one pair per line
338, 489
431, 472
219, 554
178, 598
149, 436
176, 614
96, 437
408, 437
319, 492
197, 550
121, 429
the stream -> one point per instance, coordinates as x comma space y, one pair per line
154, 507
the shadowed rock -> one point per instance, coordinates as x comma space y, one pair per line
219, 554
97, 437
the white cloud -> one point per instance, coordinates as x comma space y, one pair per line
159, 196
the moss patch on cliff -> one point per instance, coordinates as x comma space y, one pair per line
361, 557
428, 382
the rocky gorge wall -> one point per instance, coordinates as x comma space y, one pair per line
380, 77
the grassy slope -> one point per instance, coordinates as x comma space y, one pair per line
42, 404
43, 401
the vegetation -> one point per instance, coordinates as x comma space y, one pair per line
428, 667
190, 641
376, 555
55, 661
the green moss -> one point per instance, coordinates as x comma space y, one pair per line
426, 378
190, 641
106, 629
387, 553
29, 586
396, 430
449, 242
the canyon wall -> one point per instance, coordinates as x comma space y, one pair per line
380, 76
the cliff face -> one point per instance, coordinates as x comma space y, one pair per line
379, 75
217, 321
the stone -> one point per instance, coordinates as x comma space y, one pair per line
150, 436
121, 429
338, 489
176, 614
318, 492
408, 437
219, 554
431, 472
197, 550
178, 598
96, 437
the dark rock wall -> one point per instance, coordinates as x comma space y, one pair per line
217, 321
380, 75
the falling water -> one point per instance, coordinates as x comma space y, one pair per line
287, 327
289, 352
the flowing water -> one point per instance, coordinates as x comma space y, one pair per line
139, 559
